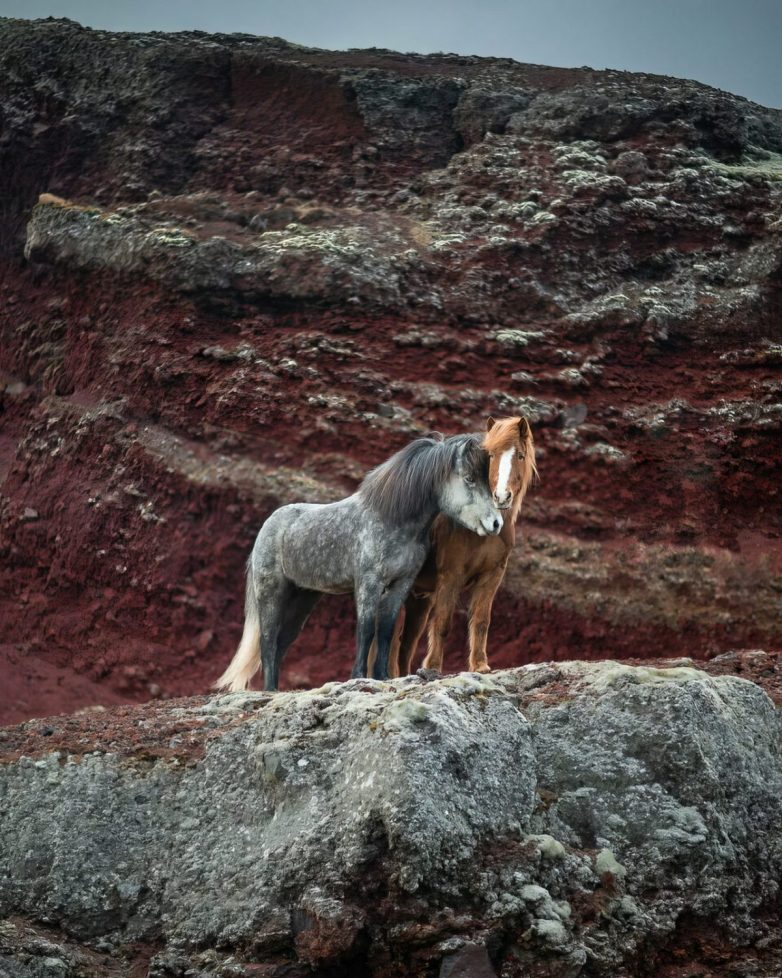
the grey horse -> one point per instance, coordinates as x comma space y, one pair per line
372, 543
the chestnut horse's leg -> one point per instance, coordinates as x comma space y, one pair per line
393, 655
416, 617
480, 616
443, 605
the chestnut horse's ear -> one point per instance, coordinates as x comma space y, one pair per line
523, 428
490, 423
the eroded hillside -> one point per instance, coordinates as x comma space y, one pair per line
257, 269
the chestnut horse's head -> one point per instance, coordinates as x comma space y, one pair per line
511, 460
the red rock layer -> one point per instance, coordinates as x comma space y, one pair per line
273, 266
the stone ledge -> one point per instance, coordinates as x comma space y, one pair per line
544, 815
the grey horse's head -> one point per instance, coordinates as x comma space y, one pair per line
465, 495
430, 474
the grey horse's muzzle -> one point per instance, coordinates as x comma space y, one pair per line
492, 526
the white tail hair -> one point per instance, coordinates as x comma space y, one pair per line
247, 658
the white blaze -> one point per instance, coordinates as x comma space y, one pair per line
506, 460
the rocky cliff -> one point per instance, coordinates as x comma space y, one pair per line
553, 821
256, 269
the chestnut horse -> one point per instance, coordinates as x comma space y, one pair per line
459, 559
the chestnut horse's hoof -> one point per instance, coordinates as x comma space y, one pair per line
483, 668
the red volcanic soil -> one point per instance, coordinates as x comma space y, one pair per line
271, 266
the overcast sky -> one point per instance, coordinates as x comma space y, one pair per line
732, 44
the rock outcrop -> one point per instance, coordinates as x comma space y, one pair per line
257, 269
558, 820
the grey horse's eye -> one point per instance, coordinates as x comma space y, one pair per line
468, 481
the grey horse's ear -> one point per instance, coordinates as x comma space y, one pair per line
461, 459
490, 423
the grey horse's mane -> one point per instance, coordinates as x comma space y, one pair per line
407, 484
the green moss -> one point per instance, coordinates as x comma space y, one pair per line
547, 846
759, 163
406, 713
609, 674
517, 337
606, 862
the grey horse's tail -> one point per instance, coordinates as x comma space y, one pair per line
247, 658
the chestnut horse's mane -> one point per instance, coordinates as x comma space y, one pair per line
504, 434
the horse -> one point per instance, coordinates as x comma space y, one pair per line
372, 543
459, 559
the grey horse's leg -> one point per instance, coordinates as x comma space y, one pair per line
298, 606
388, 612
367, 601
272, 601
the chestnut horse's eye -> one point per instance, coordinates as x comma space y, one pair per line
520, 455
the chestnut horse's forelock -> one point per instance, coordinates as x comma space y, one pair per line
514, 433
